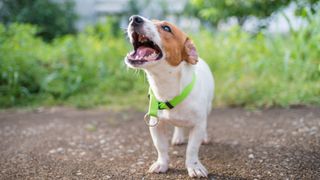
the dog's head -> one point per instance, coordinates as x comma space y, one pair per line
155, 42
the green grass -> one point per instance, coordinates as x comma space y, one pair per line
264, 71
87, 70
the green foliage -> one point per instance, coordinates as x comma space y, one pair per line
89, 64
214, 11
307, 8
19, 62
264, 70
88, 70
53, 19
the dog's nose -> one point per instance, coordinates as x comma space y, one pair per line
136, 20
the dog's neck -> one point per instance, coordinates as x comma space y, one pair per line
167, 81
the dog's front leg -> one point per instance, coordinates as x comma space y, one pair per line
160, 141
194, 166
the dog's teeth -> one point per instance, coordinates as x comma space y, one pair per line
149, 57
146, 57
153, 55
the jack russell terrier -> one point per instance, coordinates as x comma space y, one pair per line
181, 88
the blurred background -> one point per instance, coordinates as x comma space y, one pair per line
63, 52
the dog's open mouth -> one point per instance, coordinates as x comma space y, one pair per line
144, 50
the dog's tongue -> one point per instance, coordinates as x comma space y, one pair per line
143, 51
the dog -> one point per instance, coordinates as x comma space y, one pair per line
170, 60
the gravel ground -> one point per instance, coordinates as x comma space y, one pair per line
66, 143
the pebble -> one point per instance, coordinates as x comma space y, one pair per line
251, 156
130, 151
60, 149
140, 163
90, 127
102, 141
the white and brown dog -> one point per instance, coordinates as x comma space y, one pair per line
170, 60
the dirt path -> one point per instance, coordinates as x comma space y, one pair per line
65, 143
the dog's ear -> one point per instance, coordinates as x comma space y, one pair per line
190, 52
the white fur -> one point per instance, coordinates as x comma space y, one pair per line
166, 82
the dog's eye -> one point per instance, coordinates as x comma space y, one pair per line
166, 28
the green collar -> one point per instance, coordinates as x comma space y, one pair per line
155, 105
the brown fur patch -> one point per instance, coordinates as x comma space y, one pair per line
176, 44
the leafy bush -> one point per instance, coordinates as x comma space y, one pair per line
214, 11
53, 19
87, 69
85, 64
264, 71
217, 10
20, 64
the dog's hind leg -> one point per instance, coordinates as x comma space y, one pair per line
206, 139
178, 136
161, 142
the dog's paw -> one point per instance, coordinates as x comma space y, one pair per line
158, 167
178, 140
206, 140
196, 169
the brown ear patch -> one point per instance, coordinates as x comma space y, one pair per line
191, 54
